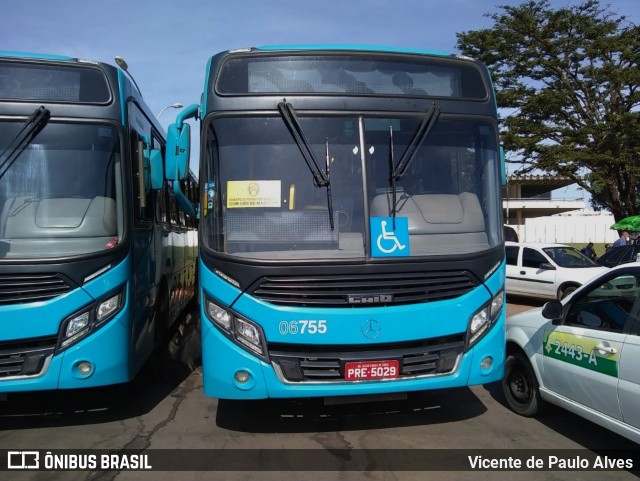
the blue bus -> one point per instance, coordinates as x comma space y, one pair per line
97, 259
350, 232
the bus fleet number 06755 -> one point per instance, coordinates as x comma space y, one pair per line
303, 326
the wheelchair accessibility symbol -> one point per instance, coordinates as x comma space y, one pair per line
387, 241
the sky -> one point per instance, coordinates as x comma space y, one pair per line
167, 44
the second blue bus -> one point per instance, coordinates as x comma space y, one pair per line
97, 259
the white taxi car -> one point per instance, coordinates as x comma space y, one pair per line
582, 353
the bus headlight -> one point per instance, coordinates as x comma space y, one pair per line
107, 308
481, 321
248, 334
242, 331
82, 323
76, 327
218, 315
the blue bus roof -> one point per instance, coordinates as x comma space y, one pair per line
364, 48
44, 56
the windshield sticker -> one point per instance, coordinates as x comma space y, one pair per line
210, 192
253, 193
387, 241
593, 354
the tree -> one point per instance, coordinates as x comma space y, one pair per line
568, 81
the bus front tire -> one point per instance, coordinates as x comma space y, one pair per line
520, 386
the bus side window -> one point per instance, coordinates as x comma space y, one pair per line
161, 206
161, 203
141, 213
173, 208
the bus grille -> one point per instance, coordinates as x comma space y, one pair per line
25, 357
304, 363
363, 290
23, 288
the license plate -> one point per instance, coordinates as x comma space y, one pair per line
358, 371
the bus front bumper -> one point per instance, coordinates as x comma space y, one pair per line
230, 372
98, 360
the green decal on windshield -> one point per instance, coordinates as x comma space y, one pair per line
592, 354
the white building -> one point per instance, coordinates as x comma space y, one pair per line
575, 228
537, 217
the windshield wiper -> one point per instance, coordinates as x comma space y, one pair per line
399, 170
328, 177
320, 177
30, 129
392, 177
429, 120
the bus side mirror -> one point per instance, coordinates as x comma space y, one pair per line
157, 169
179, 144
503, 167
178, 151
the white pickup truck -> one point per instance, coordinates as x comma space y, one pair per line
547, 271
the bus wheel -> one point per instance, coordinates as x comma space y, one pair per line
160, 320
520, 386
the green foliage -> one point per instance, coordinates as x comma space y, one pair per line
568, 84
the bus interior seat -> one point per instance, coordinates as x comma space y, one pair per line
437, 221
62, 217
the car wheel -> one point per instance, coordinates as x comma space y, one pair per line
520, 386
566, 291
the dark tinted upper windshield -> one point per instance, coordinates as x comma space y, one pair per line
350, 74
52, 83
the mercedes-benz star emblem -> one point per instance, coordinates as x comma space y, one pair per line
370, 328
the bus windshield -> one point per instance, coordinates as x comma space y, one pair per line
62, 195
263, 202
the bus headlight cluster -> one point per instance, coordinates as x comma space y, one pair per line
219, 316
242, 331
82, 323
481, 321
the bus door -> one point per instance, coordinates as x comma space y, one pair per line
145, 272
